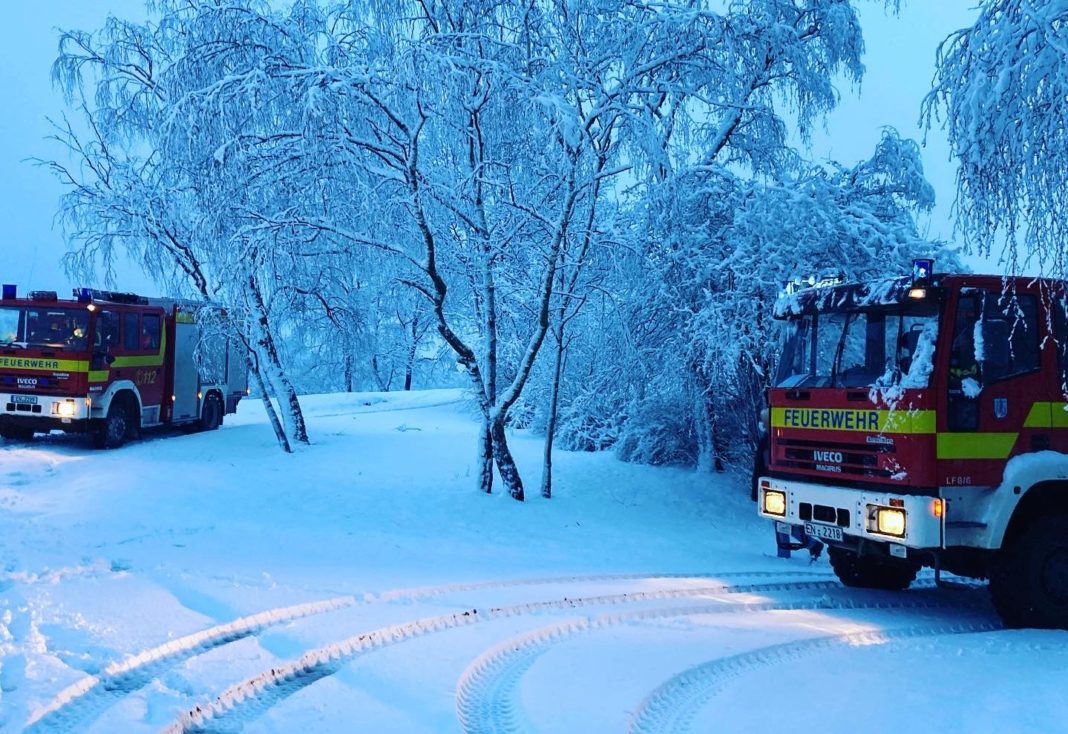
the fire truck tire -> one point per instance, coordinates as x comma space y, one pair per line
211, 413
112, 432
871, 572
1029, 579
12, 433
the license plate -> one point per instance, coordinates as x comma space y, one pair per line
24, 399
827, 532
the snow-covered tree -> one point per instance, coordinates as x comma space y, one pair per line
693, 340
610, 179
999, 89
186, 163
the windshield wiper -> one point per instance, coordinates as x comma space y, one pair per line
840, 349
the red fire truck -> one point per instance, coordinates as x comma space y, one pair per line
110, 364
922, 422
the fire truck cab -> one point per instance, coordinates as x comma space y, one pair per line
922, 421
110, 364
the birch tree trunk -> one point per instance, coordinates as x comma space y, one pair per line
554, 401
409, 365
348, 373
485, 456
706, 452
272, 369
502, 456
252, 363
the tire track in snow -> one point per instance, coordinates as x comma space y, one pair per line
485, 691
88, 697
672, 707
422, 592
248, 699
394, 409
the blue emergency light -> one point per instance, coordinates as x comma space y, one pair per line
10, 291
922, 270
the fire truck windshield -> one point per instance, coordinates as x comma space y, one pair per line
30, 327
862, 348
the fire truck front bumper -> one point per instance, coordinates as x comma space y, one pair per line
44, 412
846, 516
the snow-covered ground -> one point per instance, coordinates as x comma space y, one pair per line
208, 582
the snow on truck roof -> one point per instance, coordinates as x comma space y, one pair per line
894, 291
843, 297
83, 296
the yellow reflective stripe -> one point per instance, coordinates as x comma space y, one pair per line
855, 419
151, 360
1047, 415
975, 445
910, 421
43, 363
98, 375
1040, 416
1059, 415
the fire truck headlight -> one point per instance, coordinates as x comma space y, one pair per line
775, 502
888, 520
66, 409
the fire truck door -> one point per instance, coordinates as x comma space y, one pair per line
994, 379
186, 380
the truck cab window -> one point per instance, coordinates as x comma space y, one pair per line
963, 357
1010, 337
131, 332
1059, 309
150, 332
796, 362
830, 329
878, 348
107, 331
863, 359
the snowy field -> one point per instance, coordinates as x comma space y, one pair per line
210, 583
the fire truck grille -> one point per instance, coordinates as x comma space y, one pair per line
841, 459
22, 408
822, 513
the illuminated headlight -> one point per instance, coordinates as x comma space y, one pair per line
65, 409
886, 520
775, 502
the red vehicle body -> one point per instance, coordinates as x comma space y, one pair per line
925, 424
110, 364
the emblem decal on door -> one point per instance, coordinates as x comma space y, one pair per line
1001, 407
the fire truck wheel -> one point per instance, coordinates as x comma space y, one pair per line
872, 572
16, 434
211, 413
112, 432
1029, 580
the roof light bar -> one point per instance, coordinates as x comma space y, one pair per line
922, 271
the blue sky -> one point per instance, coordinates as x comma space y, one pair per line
899, 59
31, 246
